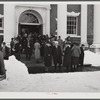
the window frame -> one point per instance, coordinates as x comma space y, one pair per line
2, 28
73, 14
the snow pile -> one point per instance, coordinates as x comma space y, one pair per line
92, 58
17, 76
65, 82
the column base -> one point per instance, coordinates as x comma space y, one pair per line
95, 48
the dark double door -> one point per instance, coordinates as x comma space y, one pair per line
30, 28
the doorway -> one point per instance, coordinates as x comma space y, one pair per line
26, 28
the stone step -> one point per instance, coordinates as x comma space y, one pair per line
37, 69
87, 65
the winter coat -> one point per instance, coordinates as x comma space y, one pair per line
47, 55
67, 56
2, 66
81, 58
37, 50
57, 55
5, 52
76, 51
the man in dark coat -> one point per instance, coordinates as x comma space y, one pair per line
81, 58
67, 57
57, 55
24, 43
29, 48
5, 51
12, 46
17, 49
47, 55
2, 67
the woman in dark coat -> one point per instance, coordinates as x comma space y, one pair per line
47, 55
2, 67
75, 56
67, 57
57, 55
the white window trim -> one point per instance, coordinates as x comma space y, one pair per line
74, 14
72, 35
1, 34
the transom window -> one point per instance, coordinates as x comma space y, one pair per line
29, 18
72, 22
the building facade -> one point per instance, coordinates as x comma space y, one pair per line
79, 21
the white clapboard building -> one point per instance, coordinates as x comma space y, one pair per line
79, 21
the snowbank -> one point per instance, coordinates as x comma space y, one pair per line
17, 76
92, 58
65, 82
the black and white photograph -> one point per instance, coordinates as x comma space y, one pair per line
50, 47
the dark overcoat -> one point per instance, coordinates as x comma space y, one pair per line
6, 52
81, 58
29, 50
17, 51
47, 55
2, 66
67, 57
57, 55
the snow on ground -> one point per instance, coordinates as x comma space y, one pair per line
18, 79
92, 58
17, 76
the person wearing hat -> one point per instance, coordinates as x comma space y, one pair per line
75, 53
67, 57
17, 49
2, 67
57, 55
81, 59
47, 55
60, 42
5, 51
37, 51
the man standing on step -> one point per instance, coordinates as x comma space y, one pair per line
47, 55
57, 55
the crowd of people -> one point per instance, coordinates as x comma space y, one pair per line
52, 50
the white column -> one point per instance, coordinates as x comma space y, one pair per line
96, 36
44, 29
62, 20
9, 22
96, 39
48, 21
84, 24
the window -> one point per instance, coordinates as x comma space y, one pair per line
72, 23
1, 23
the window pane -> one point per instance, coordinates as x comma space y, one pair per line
0, 22
71, 25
